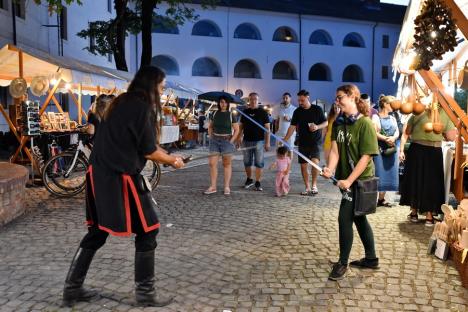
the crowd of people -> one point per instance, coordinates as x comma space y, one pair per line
359, 142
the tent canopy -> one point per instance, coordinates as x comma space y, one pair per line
40, 63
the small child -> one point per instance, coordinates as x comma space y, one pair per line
282, 166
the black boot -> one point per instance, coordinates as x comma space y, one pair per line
145, 294
73, 290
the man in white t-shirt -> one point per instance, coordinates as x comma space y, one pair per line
282, 115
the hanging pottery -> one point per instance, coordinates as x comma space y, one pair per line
438, 127
428, 127
418, 108
406, 108
395, 104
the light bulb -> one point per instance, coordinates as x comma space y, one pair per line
68, 86
54, 81
433, 34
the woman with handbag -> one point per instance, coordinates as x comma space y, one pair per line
354, 142
387, 162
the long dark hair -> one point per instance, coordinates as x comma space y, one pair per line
145, 85
226, 100
351, 90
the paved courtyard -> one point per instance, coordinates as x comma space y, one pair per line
247, 252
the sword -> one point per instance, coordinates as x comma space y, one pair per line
335, 181
191, 158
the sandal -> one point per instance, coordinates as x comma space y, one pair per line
383, 203
413, 218
306, 193
227, 191
210, 191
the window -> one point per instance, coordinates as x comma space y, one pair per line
284, 70
246, 69
385, 41
163, 26
320, 72
20, 8
384, 72
320, 37
109, 6
166, 63
4, 4
92, 42
285, 34
64, 23
109, 57
206, 67
247, 31
353, 73
353, 40
206, 28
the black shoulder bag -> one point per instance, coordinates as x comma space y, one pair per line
365, 191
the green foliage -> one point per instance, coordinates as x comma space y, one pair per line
104, 33
461, 97
55, 6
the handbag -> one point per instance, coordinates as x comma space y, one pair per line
365, 192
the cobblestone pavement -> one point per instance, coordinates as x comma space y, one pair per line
247, 252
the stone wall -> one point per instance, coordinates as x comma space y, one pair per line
13, 180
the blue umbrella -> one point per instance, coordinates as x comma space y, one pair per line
215, 95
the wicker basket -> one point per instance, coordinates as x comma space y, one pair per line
462, 268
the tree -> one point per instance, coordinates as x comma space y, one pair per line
109, 36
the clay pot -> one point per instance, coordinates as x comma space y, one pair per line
418, 108
428, 127
437, 127
396, 104
406, 108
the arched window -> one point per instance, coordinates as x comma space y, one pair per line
284, 70
320, 37
247, 31
320, 72
246, 69
353, 40
285, 34
353, 73
162, 26
166, 63
206, 28
206, 67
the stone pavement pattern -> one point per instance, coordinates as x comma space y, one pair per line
247, 252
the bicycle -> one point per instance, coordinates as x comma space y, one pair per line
64, 174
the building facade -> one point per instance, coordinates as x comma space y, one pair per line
272, 50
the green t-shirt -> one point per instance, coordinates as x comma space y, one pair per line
362, 140
222, 122
417, 125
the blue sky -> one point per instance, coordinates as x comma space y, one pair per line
402, 2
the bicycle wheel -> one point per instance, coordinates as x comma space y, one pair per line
152, 171
63, 180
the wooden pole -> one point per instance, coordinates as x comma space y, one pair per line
77, 101
49, 97
98, 92
79, 104
458, 16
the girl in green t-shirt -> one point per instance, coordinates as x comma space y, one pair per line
352, 130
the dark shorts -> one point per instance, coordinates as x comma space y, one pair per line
309, 152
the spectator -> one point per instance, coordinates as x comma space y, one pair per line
367, 100
202, 131
222, 130
308, 119
387, 162
354, 134
96, 113
423, 180
283, 115
332, 114
255, 139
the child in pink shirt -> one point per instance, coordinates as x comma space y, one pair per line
282, 166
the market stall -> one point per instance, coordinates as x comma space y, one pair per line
45, 75
432, 58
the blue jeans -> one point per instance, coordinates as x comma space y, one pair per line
256, 152
221, 146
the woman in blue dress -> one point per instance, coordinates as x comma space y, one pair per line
387, 162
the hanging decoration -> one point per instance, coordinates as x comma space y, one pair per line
435, 33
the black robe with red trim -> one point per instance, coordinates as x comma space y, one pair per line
124, 138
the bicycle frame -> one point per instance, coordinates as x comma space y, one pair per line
79, 150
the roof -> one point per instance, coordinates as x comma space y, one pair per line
40, 63
367, 10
